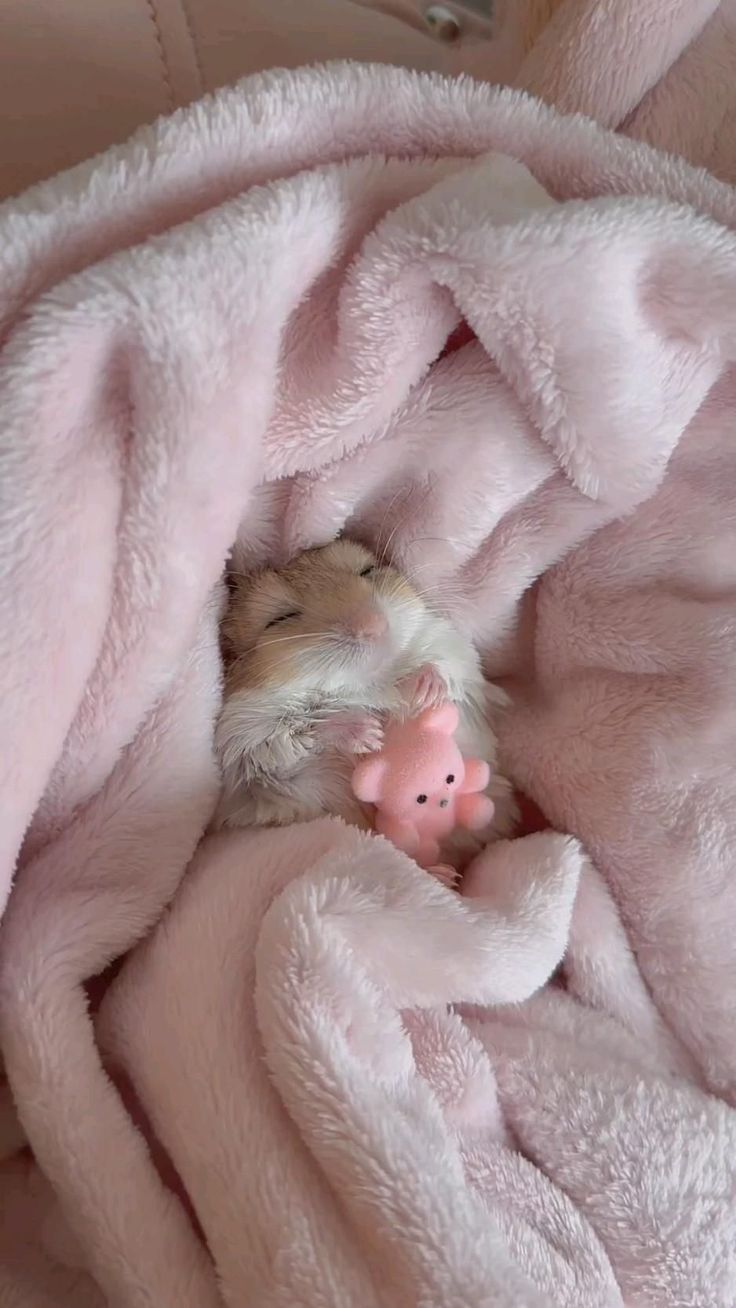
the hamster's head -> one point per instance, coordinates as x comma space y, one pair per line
336, 618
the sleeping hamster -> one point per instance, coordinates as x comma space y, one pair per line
319, 652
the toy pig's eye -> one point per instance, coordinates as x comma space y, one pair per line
421, 799
449, 779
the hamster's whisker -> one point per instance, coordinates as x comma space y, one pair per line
302, 635
380, 550
435, 540
383, 557
384, 549
411, 507
424, 567
442, 583
445, 589
433, 599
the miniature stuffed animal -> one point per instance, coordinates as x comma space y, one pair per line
422, 786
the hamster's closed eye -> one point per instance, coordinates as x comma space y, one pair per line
282, 617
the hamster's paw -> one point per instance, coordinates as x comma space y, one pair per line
445, 874
353, 732
425, 688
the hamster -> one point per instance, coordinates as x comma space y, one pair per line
318, 653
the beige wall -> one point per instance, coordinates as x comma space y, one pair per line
78, 75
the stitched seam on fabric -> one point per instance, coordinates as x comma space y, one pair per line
195, 46
161, 53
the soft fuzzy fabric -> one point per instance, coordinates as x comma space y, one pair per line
661, 71
360, 313
658, 70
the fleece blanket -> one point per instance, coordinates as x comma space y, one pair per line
659, 70
499, 345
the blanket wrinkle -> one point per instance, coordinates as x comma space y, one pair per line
658, 70
229, 335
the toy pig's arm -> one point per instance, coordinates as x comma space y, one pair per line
474, 811
403, 835
477, 776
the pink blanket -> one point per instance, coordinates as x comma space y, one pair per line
662, 71
274, 1103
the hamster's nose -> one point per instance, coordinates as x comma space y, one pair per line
366, 624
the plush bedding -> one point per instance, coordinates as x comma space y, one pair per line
498, 343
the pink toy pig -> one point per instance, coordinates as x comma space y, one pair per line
422, 786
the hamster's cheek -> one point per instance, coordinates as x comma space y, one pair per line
406, 615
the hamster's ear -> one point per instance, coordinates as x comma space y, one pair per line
443, 719
368, 779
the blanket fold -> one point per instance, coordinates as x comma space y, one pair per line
659, 71
497, 344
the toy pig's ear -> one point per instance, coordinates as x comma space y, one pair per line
368, 779
443, 719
